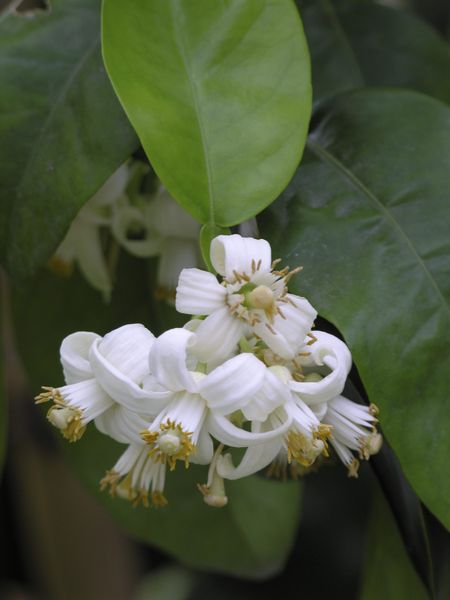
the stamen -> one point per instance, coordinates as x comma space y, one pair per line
169, 444
352, 468
312, 339
68, 420
159, 500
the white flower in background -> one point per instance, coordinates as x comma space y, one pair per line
104, 378
83, 244
159, 227
252, 299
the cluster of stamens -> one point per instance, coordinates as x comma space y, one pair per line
67, 419
169, 444
246, 301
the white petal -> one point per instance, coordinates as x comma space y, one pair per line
254, 459
88, 397
169, 219
217, 336
127, 348
272, 393
92, 262
199, 293
227, 433
286, 335
231, 385
128, 218
176, 255
204, 449
330, 351
74, 354
167, 360
121, 388
230, 253
110, 191
121, 425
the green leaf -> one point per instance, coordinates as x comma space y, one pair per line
367, 215
356, 43
219, 94
62, 131
239, 539
388, 573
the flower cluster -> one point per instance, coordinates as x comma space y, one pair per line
247, 371
146, 223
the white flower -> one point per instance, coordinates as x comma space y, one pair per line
201, 403
252, 299
159, 226
352, 429
82, 243
104, 378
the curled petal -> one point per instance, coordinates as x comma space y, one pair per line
330, 351
233, 253
121, 388
167, 360
227, 433
231, 385
217, 336
287, 333
74, 353
199, 293
272, 393
254, 459
126, 349
126, 218
327, 349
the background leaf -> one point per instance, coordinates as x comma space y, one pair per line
240, 539
355, 43
62, 131
367, 215
219, 94
388, 573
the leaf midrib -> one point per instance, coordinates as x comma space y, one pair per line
332, 160
184, 53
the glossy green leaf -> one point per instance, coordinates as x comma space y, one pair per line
62, 131
356, 43
219, 94
388, 573
367, 215
251, 536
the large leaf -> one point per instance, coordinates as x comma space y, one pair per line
367, 215
219, 94
356, 43
251, 536
388, 574
62, 131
